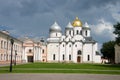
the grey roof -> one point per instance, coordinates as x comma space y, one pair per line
89, 39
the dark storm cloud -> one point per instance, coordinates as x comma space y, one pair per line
34, 17
29, 7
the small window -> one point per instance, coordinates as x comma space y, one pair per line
5, 45
76, 45
70, 32
86, 33
88, 57
43, 51
69, 57
63, 45
97, 53
80, 32
63, 56
79, 52
69, 45
43, 60
30, 50
77, 32
53, 56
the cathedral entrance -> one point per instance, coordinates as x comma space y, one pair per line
30, 58
78, 59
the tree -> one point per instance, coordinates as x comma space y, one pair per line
108, 50
117, 32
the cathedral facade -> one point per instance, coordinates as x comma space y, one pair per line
76, 45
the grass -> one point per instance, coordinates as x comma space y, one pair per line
63, 68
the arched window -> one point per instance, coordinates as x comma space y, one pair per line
79, 52
86, 33
53, 56
77, 32
88, 57
63, 57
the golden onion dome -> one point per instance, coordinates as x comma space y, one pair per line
77, 23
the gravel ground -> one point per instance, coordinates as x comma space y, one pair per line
30, 76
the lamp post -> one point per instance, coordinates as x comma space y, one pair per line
12, 42
15, 57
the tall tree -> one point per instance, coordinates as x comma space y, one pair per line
108, 50
117, 32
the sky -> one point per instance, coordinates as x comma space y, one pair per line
33, 18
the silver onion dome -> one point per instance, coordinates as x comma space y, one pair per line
55, 28
69, 26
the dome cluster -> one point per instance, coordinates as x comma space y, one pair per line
56, 28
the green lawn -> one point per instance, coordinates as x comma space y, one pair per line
63, 68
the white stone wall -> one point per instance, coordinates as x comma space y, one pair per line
87, 50
69, 32
53, 48
55, 34
68, 50
62, 51
74, 54
96, 58
77, 29
88, 33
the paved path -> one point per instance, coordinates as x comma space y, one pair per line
35, 76
8, 64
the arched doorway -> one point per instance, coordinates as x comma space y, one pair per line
30, 58
78, 59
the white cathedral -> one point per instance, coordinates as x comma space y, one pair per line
76, 45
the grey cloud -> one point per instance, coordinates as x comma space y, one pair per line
33, 7
87, 4
34, 17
